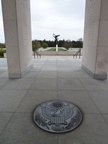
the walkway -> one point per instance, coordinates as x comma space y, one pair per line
52, 78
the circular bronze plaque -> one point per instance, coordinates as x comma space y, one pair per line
57, 116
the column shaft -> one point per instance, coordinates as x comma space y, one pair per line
17, 29
95, 48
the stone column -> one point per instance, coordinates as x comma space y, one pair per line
56, 47
95, 49
17, 28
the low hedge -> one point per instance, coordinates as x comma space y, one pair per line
2, 53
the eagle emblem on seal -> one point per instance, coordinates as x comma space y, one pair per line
57, 113
57, 116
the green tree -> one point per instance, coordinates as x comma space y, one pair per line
79, 43
35, 46
67, 44
44, 45
2, 53
2, 45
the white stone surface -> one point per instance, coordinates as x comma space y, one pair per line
104, 12
103, 34
95, 37
17, 27
56, 48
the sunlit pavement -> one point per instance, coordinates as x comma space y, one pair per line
52, 78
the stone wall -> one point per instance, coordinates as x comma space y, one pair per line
59, 53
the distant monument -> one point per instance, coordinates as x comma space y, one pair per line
56, 40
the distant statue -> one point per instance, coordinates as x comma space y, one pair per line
56, 38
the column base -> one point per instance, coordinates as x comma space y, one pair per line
95, 76
19, 75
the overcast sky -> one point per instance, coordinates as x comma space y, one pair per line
64, 17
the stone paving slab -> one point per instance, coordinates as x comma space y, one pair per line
10, 99
69, 84
22, 130
100, 98
56, 77
44, 84
4, 120
93, 130
19, 84
80, 98
33, 98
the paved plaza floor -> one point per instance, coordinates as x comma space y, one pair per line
52, 78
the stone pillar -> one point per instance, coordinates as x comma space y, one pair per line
95, 48
56, 47
17, 28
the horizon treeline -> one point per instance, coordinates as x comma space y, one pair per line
51, 43
61, 43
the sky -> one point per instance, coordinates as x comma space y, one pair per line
63, 17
